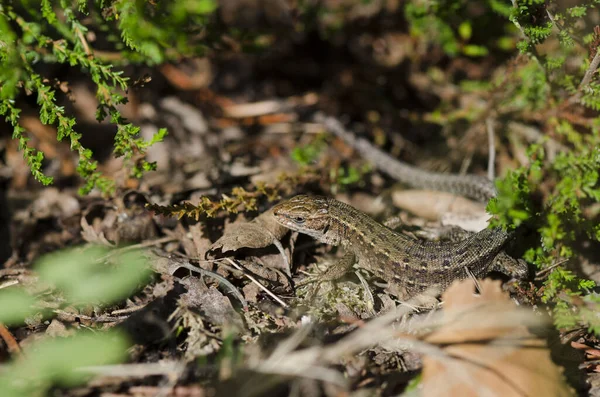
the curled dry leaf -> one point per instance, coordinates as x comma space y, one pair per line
434, 205
215, 306
261, 232
124, 220
486, 349
95, 219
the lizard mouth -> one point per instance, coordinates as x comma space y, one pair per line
281, 218
285, 220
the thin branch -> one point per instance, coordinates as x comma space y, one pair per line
272, 295
542, 273
218, 277
96, 319
587, 78
166, 368
11, 343
84, 43
489, 123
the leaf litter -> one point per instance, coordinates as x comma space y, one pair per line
209, 322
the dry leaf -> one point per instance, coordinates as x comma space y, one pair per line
261, 232
485, 348
215, 306
433, 205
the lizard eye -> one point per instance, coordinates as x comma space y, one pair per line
298, 219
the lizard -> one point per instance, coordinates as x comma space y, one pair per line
408, 264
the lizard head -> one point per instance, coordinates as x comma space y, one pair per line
304, 214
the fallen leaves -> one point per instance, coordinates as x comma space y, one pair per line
453, 210
478, 345
261, 232
486, 348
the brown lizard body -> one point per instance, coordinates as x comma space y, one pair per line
409, 264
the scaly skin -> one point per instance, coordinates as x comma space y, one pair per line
409, 265
473, 186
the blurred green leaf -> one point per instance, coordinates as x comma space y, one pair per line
308, 154
85, 278
15, 305
59, 361
465, 30
205, 6
475, 50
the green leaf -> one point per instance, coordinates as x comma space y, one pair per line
48, 12
59, 362
16, 305
465, 30
577, 11
85, 278
308, 154
205, 6
475, 50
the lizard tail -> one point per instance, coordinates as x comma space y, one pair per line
473, 186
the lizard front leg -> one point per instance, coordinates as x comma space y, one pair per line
334, 272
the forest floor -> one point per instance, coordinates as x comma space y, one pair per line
220, 314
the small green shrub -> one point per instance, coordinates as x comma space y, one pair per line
554, 86
36, 34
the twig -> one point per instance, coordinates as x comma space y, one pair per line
543, 272
272, 295
8, 283
220, 278
475, 281
84, 43
466, 163
97, 319
133, 247
166, 368
587, 77
286, 261
9, 339
128, 310
489, 123
586, 80
368, 293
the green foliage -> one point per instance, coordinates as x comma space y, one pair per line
591, 96
142, 26
83, 278
571, 184
33, 157
344, 177
427, 18
448, 24
59, 361
308, 154
16, 305
339, 177
555, 193
76, 278
45, 33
